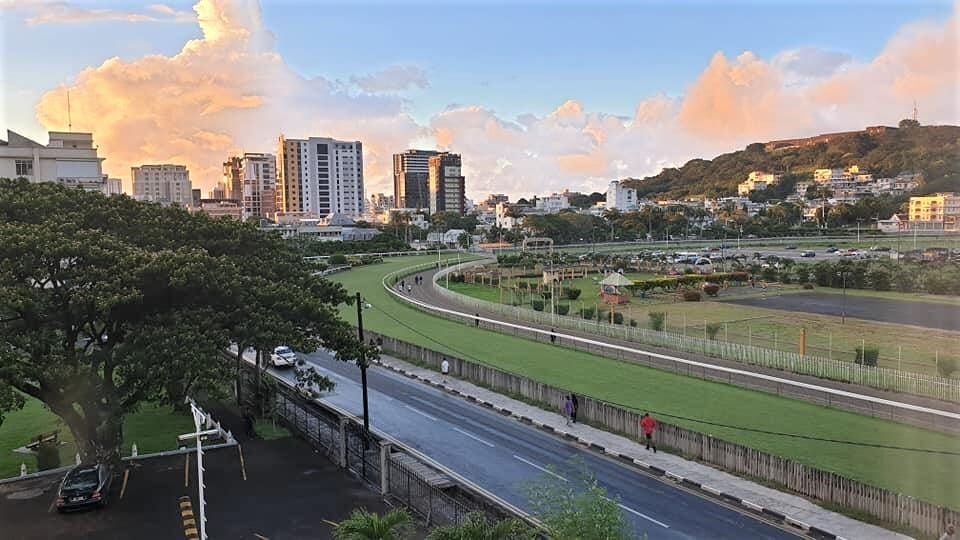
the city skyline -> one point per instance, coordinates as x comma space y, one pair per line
521, 126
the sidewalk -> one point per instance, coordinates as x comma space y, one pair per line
794, 510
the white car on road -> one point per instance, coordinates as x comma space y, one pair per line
283, 356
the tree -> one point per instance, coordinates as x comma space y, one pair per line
579, 508
107, 302
478, 527
908, 123
365, 525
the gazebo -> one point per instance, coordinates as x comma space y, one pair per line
610, 289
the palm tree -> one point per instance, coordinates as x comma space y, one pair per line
364, 525
478, 527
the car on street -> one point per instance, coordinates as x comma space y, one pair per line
791, 246
83, 486
283, 356
808, 253
832, 249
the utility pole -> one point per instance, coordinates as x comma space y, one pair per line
363, 365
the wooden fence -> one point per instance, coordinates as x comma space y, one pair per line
808, 481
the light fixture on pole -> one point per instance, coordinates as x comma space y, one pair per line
199, 418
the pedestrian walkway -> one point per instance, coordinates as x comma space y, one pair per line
794, 510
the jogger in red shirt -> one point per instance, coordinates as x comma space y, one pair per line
648, 424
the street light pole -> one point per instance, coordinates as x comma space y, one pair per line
843, 310
363, 364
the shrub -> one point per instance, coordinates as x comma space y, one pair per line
808, 286
572, 292
692, 296
657, 319
946, 366
48, 456
769, 274
537, 305
546, 295
603, 316
338, 259
523, 285
711, 289
786, 277
739, 277
587, 313
633, 323
712, 329
563, 309
617, 318
879, 278
867, 356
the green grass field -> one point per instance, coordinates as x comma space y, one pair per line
904, 347
154, 428
928, 476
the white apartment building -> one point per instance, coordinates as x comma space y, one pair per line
553, 203
256, 174
320, 176
165, 184
757, 180
69, 158
621, 198
112, 186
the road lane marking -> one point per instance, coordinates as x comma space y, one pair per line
418, 411
243, 467
474, 437
644, 516
535, 466
186, 470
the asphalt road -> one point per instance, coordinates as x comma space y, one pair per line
504, 456
925, 314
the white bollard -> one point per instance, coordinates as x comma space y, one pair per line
78, 458
23, 469
133, 451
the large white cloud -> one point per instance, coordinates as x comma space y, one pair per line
231, 91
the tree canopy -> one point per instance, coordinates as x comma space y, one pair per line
106, 303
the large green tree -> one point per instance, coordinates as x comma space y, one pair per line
106, 303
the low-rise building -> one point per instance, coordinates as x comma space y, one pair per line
621, 198
936, 211
69, 158
553, 203
757, 181
217, 208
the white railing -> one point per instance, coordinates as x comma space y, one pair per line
913, 383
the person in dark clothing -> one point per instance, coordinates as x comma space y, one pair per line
576, 407
476, 320
248, 424
553, 338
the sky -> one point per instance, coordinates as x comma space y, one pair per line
537, 95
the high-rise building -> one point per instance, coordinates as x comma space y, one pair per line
320, 176
380, 202
447, 184
252, 180
112, 186
411, 178
165, 184
69, 158
232, 181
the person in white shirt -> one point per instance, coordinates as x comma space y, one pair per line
445, 369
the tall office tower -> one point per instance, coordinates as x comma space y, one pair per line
320, 176
257, 174
411, 178
447, 184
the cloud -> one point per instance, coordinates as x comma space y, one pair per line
56, 12
392, 79
230, 91
226, 92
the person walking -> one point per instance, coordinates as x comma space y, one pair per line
576, 407
410, 289
403, 284
648, 425
444, 369
568, 409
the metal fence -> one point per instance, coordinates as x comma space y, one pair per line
808, 481
825, 368
386, 465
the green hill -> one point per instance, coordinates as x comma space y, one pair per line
933, 151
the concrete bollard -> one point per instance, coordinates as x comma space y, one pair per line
133, 451
23, 469
78, 458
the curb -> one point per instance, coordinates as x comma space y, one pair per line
770, 514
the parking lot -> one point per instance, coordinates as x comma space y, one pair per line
280, 490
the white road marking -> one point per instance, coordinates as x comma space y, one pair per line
644, 516
472, 436
535, 466
421, 413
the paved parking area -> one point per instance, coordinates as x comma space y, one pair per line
289, 493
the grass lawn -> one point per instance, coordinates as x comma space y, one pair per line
928, 476
154, 428
777, 329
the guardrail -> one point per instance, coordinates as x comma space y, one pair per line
824, 368
831, 397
